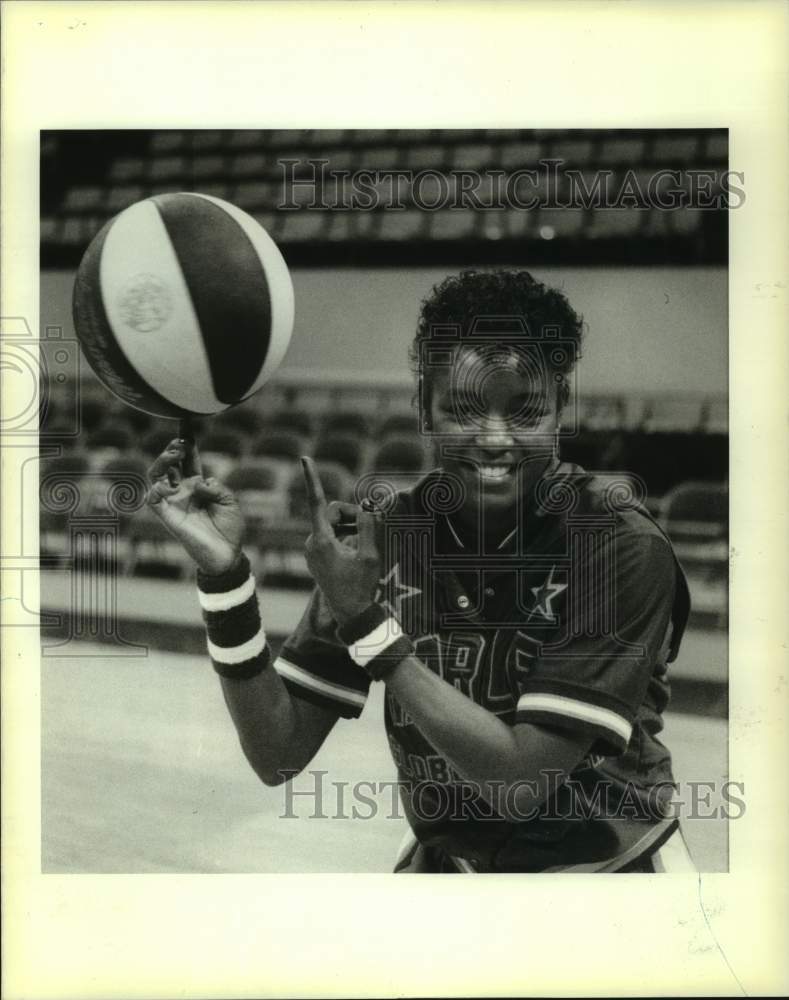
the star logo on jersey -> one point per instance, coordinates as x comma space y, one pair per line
544, 595
391, 592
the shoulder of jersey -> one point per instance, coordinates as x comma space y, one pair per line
611, 494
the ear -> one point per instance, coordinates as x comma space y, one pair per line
562, 395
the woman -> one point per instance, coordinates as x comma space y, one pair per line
520, 612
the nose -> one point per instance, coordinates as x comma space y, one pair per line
493, 433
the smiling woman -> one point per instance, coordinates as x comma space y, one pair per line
520, 611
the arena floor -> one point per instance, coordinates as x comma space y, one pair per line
142, 772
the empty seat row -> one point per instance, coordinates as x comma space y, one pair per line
607, 146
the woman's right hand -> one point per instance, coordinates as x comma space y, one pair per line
201, 513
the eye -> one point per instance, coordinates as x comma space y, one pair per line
527, 411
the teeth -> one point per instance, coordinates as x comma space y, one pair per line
494, 471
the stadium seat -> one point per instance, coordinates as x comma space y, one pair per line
57, 478
246, 138
279, 444
255, 195
93, 408
584, 449
572, 150
453, 224
615, 223
204, 140
245, 418
343, 449
261, 488
380, 157
560, 223
675, 151
83, 199
79, 230
207, 167
153, 551
127, 169
220, 451
716, 148
623, 150
402, 226
168, 168
107, 442
339, 158
299, 227
324, 137
687, 221
167, 142
223, 441
121, 196
431, 157
519, 223
472, 156
298, 421
337, 485
372, 136
695, 516
398, 425
399, 454
280, 137
346, 422
49, 229
519, 155
254, 165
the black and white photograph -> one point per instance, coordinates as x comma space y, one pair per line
418, 438
388, 494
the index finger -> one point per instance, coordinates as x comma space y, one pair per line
192, 465
316, 498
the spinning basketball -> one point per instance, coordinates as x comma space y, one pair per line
183, 305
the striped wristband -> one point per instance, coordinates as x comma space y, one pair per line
235, 636
376, 641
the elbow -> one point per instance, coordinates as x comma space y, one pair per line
271, 773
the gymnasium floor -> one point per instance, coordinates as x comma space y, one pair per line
141, 772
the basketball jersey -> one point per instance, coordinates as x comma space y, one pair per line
567, 622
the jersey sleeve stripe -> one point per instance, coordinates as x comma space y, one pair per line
556, 704
232, 655
230, 599
300, 676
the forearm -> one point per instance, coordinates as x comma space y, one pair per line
264, 714
479, 745
523, 760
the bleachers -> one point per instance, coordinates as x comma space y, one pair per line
256, 448
425, 208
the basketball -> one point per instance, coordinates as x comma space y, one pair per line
183, 305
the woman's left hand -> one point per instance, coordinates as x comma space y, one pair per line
347, 576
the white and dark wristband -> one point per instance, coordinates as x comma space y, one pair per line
235, 636
376, 641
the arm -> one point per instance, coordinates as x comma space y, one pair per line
502, 760
485, 750
276, 731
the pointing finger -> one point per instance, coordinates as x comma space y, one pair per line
191, 462
316, 498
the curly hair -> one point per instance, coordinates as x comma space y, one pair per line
512, 302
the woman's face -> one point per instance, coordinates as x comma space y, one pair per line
494, 416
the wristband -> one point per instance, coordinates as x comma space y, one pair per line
376, 641
235, 636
